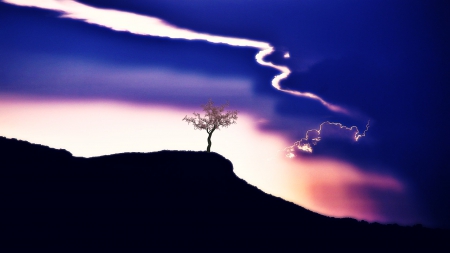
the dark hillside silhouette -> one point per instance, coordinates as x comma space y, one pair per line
173, 198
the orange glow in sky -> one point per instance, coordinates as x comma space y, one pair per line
93, 128
337, 189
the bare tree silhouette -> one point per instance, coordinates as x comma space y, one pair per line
215, 118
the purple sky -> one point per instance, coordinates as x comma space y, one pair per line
110, 64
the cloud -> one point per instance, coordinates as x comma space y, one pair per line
152, 26
329, 131
131, 22
80, 78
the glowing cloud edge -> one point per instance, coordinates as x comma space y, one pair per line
307, 148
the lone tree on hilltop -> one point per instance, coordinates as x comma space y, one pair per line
215, 118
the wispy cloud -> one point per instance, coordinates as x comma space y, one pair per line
152, 26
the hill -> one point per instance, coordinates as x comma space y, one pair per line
171, 198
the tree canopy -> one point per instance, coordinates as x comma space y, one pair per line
215, 118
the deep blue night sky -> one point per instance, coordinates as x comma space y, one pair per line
386, 61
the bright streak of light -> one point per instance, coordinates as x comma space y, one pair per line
147, 25
130, 22
285, 71
313, 136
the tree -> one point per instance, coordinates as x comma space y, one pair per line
214, 119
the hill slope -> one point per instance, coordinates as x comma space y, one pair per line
166, 196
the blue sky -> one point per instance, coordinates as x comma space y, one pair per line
385, 62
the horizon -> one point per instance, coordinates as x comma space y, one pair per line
338, 101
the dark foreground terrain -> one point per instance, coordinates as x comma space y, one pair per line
166, 200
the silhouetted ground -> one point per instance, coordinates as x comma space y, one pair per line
166, 200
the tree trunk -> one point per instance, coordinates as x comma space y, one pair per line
208, 149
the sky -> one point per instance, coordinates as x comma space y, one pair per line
342, 104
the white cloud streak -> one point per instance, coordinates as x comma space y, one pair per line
131, 22
147, 25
